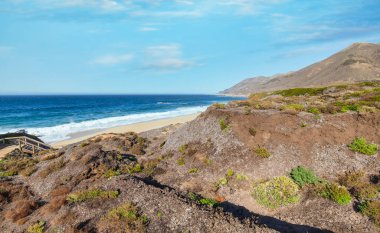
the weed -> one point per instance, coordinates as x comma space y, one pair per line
37, 227
360, 145
303, 176
303, 124
91, 194
262, 152
280, 191
162, 144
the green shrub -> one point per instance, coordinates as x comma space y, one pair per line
111, 173
334, 192
219, 106
193, 170
91, 194
223, 181
241, 177
360, 145
303, 176
208, 201
230, 173
182, 149
294, 107
365, 191
353, 107
223, 124
279, 191
372, 210
37, 227
124, 218
314, 110
181, 161
300, 91
262, 152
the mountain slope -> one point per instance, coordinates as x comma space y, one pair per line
359, 62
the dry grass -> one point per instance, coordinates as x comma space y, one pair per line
21, 209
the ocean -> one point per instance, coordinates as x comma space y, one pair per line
54, 118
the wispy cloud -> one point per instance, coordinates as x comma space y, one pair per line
113, 59
167, 57
5, 49
148, 29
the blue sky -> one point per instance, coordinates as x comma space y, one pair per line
169, 46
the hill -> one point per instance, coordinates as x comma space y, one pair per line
295, 160
358, 62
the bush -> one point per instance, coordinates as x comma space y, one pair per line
193, 170
300, 91
91, 194
111, 173
351, 178
372, 210
360, 145
303, 176
223, 124
182, 149
334, 192
230, 173
279, 191
219, 106
294, 107
37, 227
262, 152
314, 110
365, 191
208, 201
181, 161
124, 218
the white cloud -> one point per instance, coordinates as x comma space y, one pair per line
166, 58
113, 59
148, 29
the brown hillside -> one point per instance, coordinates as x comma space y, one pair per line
359, 62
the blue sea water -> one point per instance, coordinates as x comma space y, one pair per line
54, 118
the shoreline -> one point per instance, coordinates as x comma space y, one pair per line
135, 127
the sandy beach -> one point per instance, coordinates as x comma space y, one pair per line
137, 127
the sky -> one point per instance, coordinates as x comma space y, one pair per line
169, 46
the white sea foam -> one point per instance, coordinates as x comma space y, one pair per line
62, 132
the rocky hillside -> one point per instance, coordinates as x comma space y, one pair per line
359, 62
297, 160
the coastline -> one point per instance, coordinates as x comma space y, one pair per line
136, 127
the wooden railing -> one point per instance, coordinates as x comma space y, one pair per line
28, 144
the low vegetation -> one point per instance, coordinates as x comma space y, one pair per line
360, 145
303, 176
334, 192
223, 124
203, 201
37, 227
280, 191
262, 152
124, 218
300, 91
372, 210
17, 166
86, 195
